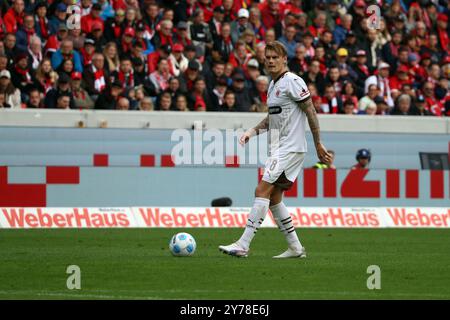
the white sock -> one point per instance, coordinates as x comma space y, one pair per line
255, 219
284, 222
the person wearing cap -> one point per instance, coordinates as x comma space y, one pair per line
107, 100
241, 91
419, 107
125, 43
239, 25
251, 74
82, 99
87, 52
14, 16
177, 60
188, 77
94, 16
62, 88
400, 78
360, 68
58, 18
215, 24
66, 51
22, 77
163, 36
12, 95
217, 93
381, 80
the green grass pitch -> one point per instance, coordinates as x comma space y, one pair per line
136, 264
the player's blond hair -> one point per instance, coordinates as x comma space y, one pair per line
278, 47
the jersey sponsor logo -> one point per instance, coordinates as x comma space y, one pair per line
275, 110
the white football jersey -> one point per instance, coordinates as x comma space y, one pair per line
287, 122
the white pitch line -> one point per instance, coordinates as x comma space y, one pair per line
111, 295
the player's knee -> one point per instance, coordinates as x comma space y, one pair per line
262, 191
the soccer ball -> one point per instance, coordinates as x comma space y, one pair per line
182, 245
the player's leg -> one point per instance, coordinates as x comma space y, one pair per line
255, 219
284, 222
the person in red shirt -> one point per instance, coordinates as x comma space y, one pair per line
14, 16
271, 13
205, 6
442, 21
88, 20
432, 103
400, 78
363, 157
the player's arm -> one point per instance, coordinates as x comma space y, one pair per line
262, 126
307, 107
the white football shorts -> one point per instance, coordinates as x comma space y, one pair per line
290, 163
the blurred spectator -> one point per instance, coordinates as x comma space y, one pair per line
181, 103
58, 19
108, 98
82, 99
114, 25
298, 63
111, 57
34, 50
13, 18
165, 101
217, 93
63, 101
160, 77
240, 25
145, 104
67, 52
381, 106
3, 103
241, 92
178, 61
363, 158
402, 106
45, 76
123, 104
369, 98
96, 77
25, 32
229, 102
198, 99
35, 99
22, 76
381, 80
62, 88
10, 92
88, 20
419, 108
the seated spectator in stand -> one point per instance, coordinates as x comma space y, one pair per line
96, 77
369, 98
22, 77
229, 102
63, 102
331, 103
160, 77
181, 103
298, 64
199, 99
349, 107
402, 106
217, 94
67, 52
260, 94
431, 102
81, 96
146, 104
123, 104
109, 97
419, 108
165, 102
382, 106
25, 32
35, 55
3, 103
242, 94
62, 88
35, 99
371, 110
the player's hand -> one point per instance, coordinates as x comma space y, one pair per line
323, 154
246, 136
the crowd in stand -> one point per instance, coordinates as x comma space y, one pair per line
208, 55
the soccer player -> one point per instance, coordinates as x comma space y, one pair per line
290, 104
